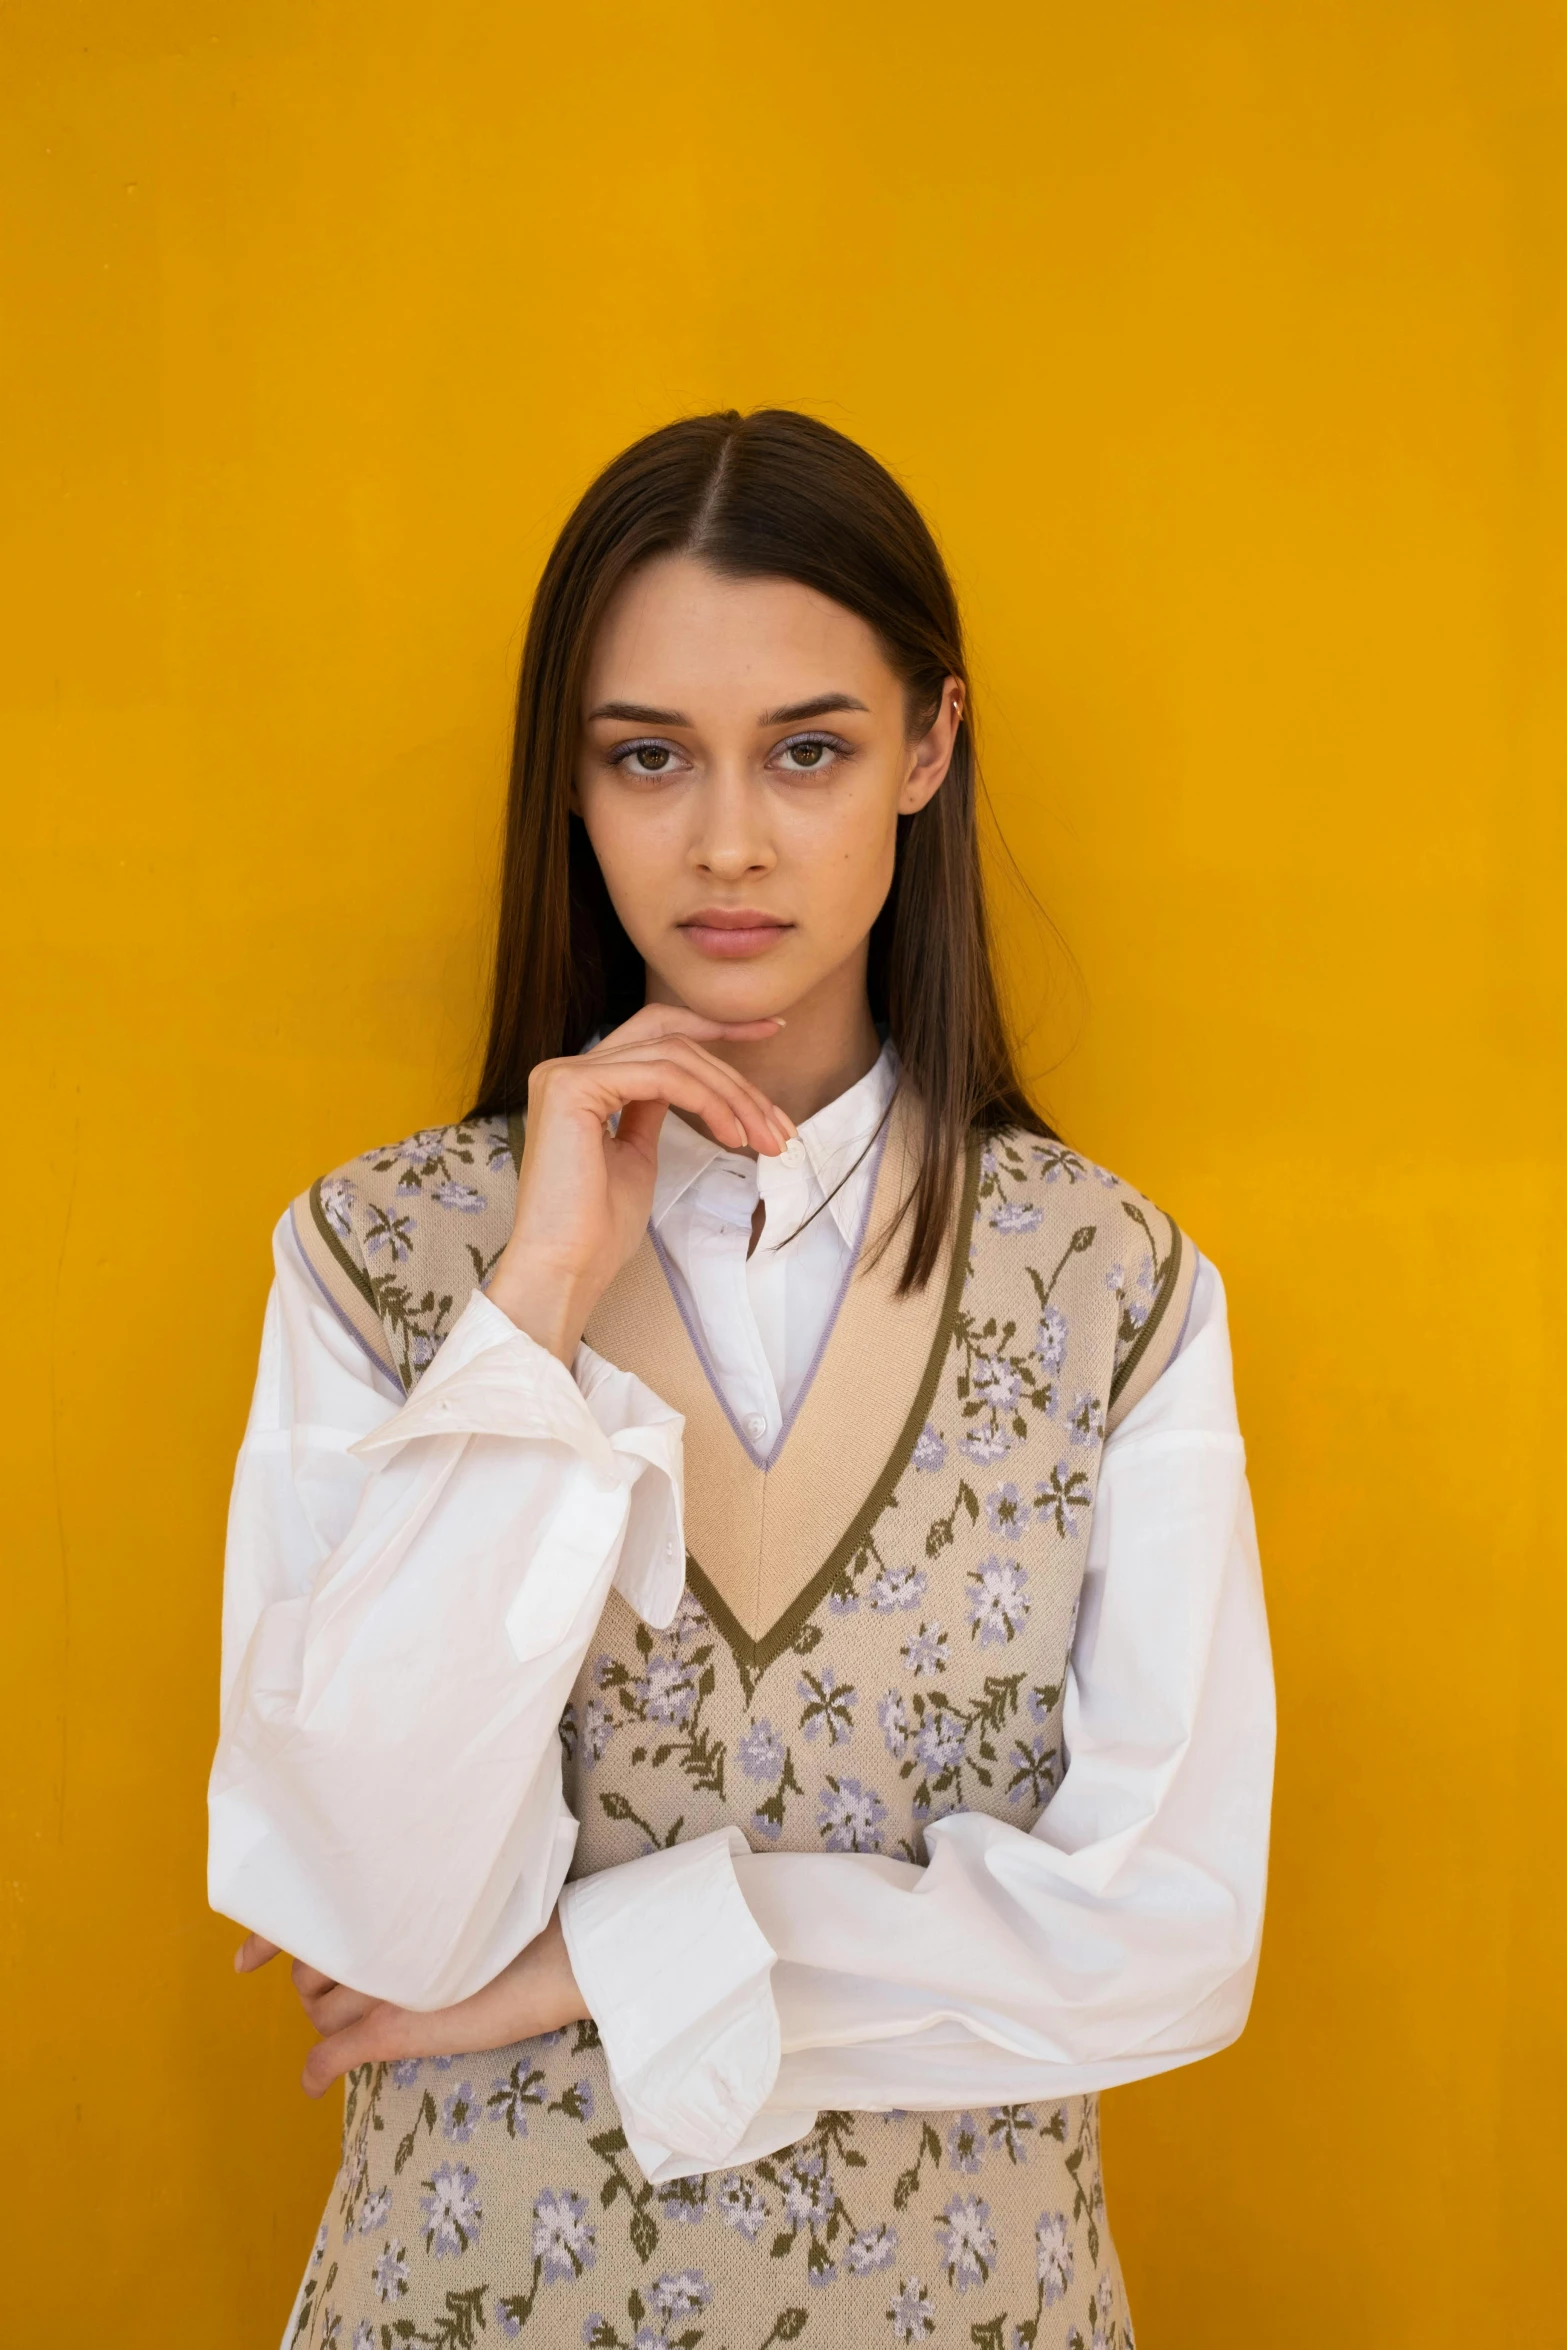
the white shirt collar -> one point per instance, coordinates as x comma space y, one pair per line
824, 1156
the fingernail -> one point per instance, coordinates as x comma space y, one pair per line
239, 1960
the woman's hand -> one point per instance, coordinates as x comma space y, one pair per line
583, 1194
536, 1993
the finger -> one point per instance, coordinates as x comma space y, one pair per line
722, 1071
334, 2009
767, 1127
610, 1080
728, 1111
374, 2037
309, 1981
675, 1025
254, 1951
655, 1020
640, 1124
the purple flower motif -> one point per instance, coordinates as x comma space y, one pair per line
925, 1651
421, 1350
461, 1196
967, 2241
741, 2205
871, 2249
1041, 1703
763, 1824
338, 1201
965, 2143
1086, 1422
1034, 1772
598, 1728
849, 1817
1050, 1339
684, 2295
913, 2313
842, 1600
668, 1690
389, 2274
564, 2238
682, 2201
393, 1233
930, 1450
996, 1383
892, 1714
898, 1587
1006, 1512
1053, 2255
809, 2194
1017, 1215
829, 1705
452, 2211
1060, 1499
997, 1602
985, 1445
761, 1753
461, 2113
941, 1740
364, 2336
1009, 2125
376, 2211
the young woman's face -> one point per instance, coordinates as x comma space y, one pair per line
745, 758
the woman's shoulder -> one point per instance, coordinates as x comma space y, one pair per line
1034, 1183
400, 1235
448, 1169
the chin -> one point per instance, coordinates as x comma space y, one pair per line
734, 991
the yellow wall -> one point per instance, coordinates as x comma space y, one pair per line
1224, 344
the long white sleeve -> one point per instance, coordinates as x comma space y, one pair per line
410, 1588
1118, 1938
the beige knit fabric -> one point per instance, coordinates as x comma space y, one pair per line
874, 1634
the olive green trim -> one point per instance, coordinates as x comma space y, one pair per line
516, 1130
356, 1273
754, 1656
1167, 1287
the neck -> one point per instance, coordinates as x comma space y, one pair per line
827, 1043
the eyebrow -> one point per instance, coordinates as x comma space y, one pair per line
792, 714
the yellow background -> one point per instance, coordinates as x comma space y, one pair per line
1224, 346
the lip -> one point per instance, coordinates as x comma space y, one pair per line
730, 933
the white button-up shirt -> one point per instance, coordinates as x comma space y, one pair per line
760, 1316
736, 1993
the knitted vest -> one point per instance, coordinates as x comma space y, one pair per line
874, 1633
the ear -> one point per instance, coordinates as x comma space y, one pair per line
931, 756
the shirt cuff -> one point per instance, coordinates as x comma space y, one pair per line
492, 1379
677, 1975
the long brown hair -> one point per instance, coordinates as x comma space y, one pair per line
771, 494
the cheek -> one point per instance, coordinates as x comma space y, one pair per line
635, 843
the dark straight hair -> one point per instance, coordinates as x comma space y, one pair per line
774, 494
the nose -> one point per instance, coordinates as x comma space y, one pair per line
732, 840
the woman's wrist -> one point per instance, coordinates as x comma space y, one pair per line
548, 1301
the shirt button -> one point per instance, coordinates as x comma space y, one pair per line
755, 1426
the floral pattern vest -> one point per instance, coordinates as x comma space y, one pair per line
874, 1633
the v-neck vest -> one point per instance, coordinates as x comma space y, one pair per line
940, 1465
874, 1634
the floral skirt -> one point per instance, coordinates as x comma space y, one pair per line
487, 2197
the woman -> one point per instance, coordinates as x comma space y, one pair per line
746, 1688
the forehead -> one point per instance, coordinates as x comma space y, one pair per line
682, 635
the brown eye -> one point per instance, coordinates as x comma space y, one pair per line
654, 758
806, 754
